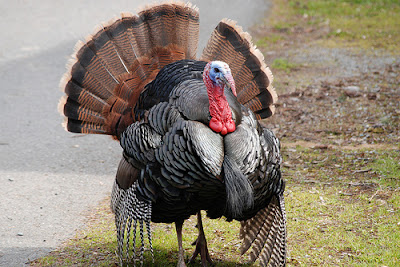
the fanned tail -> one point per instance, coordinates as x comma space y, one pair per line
265, 234
111, 68
229, 43
130, 211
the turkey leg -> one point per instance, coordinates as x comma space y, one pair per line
201, 245
181, 258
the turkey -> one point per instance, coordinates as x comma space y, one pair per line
189, 128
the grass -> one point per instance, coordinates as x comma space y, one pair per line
283, 64
96, 244
364, 24
343, 208
271, 38
389, 168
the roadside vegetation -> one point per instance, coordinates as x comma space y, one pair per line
364, 24
337, 73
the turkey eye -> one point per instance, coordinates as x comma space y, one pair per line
216, 69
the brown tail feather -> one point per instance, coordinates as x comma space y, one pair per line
105, 49
120, 114
74, 110
118, 33
165, 17
252, 77
109, 71
265, 233
84, 97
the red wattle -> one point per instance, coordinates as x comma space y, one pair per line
222, 127
230, 126
221, 116
224, 131
215, 125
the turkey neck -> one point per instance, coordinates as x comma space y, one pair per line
220, 112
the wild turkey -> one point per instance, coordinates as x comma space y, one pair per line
189, 129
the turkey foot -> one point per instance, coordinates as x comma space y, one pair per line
181, 258
201, 245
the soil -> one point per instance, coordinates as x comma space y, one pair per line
341, 101
334, 95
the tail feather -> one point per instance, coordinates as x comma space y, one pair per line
80, 76
77, 126
116, 30
109, 71
93, 64
74, 110
139, 36
193, 31
158, 20
265, 234
120, 113
188, 24
84, 97
103, 46
253, 78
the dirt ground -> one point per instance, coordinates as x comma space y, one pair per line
334, 96
343, 102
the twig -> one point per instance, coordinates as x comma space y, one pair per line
361, 171
370, 199
319, 161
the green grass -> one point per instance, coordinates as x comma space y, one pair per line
356, 23
96, 244
271, 38
283, 64
330, 228
389, 167
343, 208
369, 23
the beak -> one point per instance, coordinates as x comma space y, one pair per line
227, 79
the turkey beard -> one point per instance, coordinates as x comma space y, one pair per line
239, 190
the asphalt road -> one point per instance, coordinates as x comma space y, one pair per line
50, 178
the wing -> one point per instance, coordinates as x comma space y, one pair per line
256, 152
265, 232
